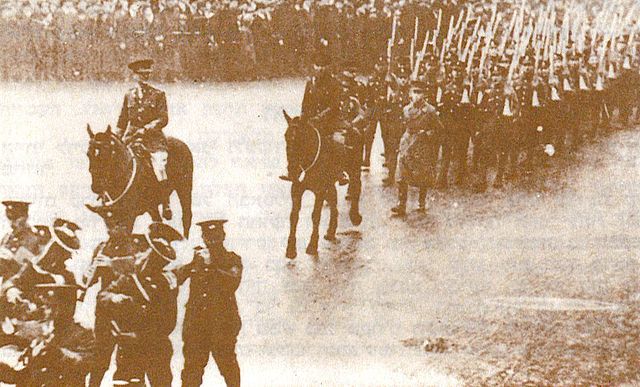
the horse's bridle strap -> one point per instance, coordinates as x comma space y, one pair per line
315, 159
132, 178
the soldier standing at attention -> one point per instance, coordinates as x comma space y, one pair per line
211, 322
143, 116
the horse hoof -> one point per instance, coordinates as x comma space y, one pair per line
167, 214
312, 251
355, 218
291, 254
330, 237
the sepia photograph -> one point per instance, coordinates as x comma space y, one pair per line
319, 193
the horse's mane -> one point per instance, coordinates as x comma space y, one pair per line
106, 136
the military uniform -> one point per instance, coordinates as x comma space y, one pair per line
143, 116
23, 243
418, 150
150, 294
121, 250
212, 322
375, 94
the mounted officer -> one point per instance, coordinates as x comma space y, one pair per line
143, 116
320, 108
212, 322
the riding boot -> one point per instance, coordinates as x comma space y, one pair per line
401, 208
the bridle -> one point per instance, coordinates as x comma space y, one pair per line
106, 197
317, 156
132, 177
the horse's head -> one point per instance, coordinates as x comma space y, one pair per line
105, 156
294, 127
303, 141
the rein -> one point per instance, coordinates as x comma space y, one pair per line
132, 178
317, 156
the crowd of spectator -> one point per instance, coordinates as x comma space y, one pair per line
191, 40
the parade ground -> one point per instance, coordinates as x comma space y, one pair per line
537, 283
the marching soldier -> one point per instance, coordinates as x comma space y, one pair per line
392, 126
374, 100
143, 116
212, 321
447, 99
418, 150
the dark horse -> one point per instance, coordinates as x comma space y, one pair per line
318, 163
125, 181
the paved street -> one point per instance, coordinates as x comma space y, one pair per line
538, 283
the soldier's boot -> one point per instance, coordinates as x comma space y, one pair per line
401, 207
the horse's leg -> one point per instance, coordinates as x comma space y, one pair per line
312, 247
296, 204
184, 190
332, 199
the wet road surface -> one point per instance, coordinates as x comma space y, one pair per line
496, 288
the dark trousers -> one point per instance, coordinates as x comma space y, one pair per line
369, 135
196, 356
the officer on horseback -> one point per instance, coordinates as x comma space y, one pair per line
321, 109
143, 116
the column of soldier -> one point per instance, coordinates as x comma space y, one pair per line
136, 307
510, 87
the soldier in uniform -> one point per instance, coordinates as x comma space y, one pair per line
143, 116
149, 293
111, 259
22, 242
321, 109
212, 321
60, 355
418, 151
391, 126
375, 102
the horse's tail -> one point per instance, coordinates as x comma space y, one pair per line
180, 171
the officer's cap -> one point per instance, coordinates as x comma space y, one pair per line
141, 66
212, 225
160, 236
16, 209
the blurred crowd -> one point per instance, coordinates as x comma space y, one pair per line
194, 40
